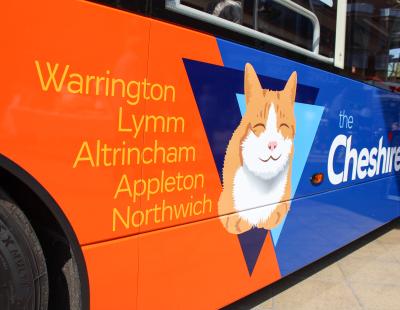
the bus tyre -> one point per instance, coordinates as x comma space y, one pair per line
23, 273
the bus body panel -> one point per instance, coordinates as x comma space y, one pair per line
198, 266
56, 129
192, 259
181, 170
113, 272
322, 218
323, 223
142, 152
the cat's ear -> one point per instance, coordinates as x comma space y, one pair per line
291, 85
252, 86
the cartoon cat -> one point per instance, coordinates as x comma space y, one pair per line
258, 161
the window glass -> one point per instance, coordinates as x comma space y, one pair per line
277, 20
373, 42
129, 5
282, 22
240, 12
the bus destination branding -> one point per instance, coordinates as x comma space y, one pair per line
359, 164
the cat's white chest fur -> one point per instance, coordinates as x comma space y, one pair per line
256, 198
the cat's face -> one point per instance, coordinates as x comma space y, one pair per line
268, 144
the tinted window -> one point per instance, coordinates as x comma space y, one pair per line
373, 42
240, 12
128, 5
272, 18
284, 23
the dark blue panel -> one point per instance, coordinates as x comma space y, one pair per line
323, 223
328, 216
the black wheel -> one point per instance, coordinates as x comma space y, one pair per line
23, 273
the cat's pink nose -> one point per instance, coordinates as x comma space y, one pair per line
272, 145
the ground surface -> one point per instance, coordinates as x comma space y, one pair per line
363, 275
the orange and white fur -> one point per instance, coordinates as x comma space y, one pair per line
258, 160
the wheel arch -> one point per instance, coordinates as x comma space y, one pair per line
15, 180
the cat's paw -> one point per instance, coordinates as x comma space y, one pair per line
234, 224
276, 216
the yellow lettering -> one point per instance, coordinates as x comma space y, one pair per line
123, 187
137, 125
125, 222
87, 157
120, 127
78, 83
172, 92
52, 76
175, 121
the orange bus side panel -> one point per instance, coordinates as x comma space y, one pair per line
198, 266
49, 126
112, 268
184, 134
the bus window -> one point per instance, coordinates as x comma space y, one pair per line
292, 25
228, 9
240, 12
128, 5
278, 20
373, 42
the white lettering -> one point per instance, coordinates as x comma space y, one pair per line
367, 162
335, 178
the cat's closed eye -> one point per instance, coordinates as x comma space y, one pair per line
285, 130
258, 128
259, 125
